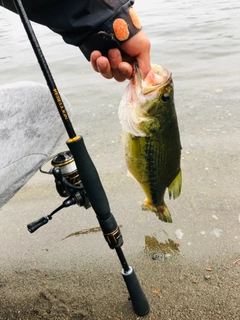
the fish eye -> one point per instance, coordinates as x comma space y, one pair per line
165, 97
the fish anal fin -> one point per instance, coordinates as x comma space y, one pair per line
174, 189
161, 211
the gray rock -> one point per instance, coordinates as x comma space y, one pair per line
30, 130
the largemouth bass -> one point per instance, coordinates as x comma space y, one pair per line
151, 138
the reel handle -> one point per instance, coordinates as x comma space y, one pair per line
33, 226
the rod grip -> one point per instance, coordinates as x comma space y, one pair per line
138, 298
90, 178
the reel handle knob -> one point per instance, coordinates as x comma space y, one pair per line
33, 226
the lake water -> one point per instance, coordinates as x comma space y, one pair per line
199, 41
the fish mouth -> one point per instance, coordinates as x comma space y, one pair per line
137, 101
156, 78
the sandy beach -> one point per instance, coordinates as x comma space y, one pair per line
66, 271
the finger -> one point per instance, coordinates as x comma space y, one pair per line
120, 68
115, 57
93, 59
103, 66
118, 76
125, 70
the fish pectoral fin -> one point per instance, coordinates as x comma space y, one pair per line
150, 126
174, 188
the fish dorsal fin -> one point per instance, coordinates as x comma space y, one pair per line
174, 188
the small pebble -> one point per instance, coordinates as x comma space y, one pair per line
158, 256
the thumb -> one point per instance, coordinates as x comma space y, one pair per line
138, 47
144, 64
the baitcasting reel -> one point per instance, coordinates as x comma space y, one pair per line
68, 184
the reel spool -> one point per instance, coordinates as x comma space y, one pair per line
67, 179
64, 161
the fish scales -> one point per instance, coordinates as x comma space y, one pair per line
151, 139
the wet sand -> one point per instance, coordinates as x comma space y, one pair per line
48, 275
175, 290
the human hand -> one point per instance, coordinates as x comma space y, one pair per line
118, 65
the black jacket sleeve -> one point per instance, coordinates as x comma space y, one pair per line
89, 24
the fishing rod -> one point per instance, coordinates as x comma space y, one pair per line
76, 177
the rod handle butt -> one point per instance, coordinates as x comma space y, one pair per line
137, 296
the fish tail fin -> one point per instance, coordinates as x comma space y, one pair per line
174, 189
161, 212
